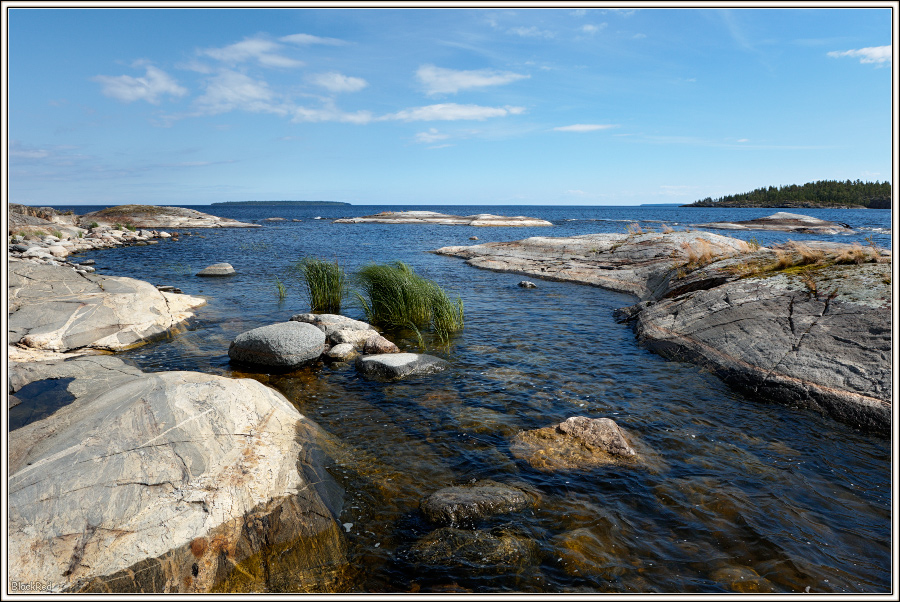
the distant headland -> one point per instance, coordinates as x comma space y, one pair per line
831, 194
279, 203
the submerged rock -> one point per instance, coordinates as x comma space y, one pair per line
170, 482
527, 284
392, 366
467, 504
578, 442
281, 345
478, 552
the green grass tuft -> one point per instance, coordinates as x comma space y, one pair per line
325, 283
393, 295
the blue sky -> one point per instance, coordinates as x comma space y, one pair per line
590, 106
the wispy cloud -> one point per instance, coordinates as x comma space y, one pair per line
329, 112
873, 54
592, 29
305, 39
453, 112
531, 32
431, 136
259, 50
585, 127
230, 90
336, 82
152, 87
438, 80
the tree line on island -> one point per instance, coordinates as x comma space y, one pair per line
822, 193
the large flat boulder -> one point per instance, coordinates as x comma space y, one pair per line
54, 308
394, 366
432, 217
639, 264
169, 482
784, 222
828, 350
156, 216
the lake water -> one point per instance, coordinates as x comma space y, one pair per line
736, 494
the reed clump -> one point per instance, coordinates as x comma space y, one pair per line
393, 295
325, 283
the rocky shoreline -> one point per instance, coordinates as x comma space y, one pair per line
188, 482
804, 325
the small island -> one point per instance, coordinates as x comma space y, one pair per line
822, 194
432, 217
278, 203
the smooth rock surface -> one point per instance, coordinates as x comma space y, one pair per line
281, 345
637, 264
784, 222
392, 366
171, 482
217, 269
54, 308
342, 352
773, 339
331, 323
378, 344
432, 217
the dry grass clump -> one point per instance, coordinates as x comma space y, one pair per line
857, 254
701, 255
666, 229
634, 229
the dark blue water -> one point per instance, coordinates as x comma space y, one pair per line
734, 495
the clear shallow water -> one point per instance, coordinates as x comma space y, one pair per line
734, 495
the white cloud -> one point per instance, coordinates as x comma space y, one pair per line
329, 112
305, 39
431, 136
874, 54
584, 127
438, 80
263, 51
335, 82
453, 112
531, 32
744, 140
151, 87
592, 29
231, 90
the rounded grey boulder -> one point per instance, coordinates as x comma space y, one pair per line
217, 269
282, 345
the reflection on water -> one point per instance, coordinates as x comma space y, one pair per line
732, 495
